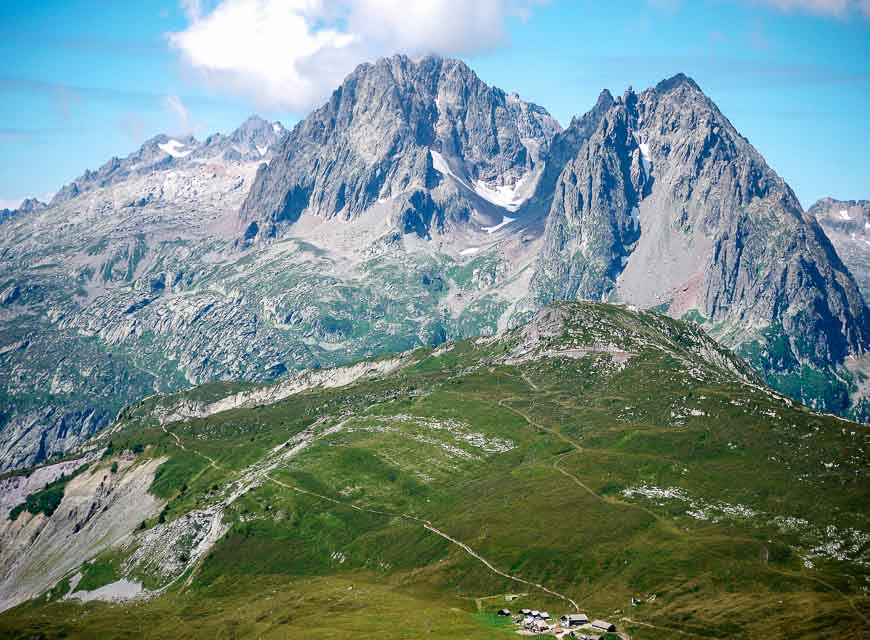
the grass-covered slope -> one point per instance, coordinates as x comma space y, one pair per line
593, 456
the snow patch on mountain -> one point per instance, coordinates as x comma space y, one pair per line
505, 196
504, 221
174, 148
441, 166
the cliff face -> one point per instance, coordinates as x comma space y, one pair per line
667, 205
388, 135
847, 223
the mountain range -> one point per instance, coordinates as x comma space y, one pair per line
418, 205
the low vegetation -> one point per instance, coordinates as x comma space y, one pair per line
47, 499
620, 461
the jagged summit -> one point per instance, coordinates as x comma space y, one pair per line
28, 205
675, 82
665, 204
427, 138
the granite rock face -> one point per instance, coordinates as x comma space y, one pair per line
28, 205
388, 134
847, 225
667, 205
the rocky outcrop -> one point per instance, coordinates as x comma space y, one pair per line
28, 205
99, 508
565, 146
593, 223
847, 225
253, 141
170, 409
374, 142
14, 489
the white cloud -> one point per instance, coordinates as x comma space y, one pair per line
174, 105
837, 8
833, 7
292, 53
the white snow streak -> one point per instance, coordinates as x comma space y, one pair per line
504, 196
174, 148
504, 221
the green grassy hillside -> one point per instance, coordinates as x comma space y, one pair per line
595, 456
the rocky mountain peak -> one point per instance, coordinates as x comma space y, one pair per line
156, 153
603, 103
253, 140
666, 205
256, 130
393, 133
30, 205
250, 142
677, 82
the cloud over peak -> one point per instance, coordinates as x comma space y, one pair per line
291, 53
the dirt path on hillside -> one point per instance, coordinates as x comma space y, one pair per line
432, 529
177, 439
666, 522
577, 448
426, 524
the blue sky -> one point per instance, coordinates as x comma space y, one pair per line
82, 81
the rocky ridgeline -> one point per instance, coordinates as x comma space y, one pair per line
29, 205
416, 206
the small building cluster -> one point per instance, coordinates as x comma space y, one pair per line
570, 625
535, 621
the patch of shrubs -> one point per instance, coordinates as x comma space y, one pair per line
47, 499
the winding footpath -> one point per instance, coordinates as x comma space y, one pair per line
426, 524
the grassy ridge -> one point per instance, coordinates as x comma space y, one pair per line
539, 467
